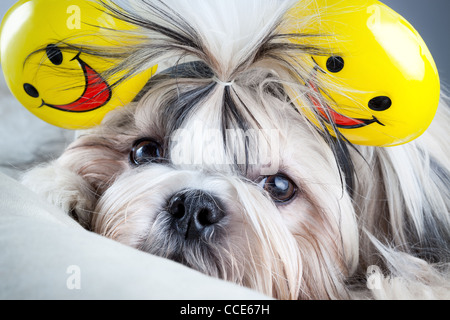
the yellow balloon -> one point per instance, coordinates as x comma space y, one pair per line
48, 74
384, 84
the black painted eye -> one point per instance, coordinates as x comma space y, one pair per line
280, 188
146, 151
335, 64
31, 90
54, 54
380, 103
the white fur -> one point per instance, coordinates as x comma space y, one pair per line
318, 246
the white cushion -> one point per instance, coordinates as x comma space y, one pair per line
44, 254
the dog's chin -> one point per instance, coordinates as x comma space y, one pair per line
206, 254
205, 250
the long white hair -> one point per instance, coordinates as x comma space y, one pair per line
389, 219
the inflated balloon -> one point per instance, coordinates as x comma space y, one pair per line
49, 75
383, 84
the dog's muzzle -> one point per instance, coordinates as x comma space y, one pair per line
195, 213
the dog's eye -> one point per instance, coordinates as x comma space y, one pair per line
280, 188
146, 151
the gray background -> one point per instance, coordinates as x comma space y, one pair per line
429, 17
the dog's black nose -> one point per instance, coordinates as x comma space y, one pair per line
194, 213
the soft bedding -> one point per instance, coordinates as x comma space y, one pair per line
44, 254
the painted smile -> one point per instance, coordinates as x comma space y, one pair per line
96, 93
331, 116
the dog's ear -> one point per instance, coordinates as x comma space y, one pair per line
96, 160
63, 188
76, 180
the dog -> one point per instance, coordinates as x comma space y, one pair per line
214, 167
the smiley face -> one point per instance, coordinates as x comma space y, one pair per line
382, 83
96, 91
330, 116
53, 79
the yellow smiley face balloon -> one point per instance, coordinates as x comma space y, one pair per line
384, 85
59, 83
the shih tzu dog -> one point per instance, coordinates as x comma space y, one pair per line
213, 166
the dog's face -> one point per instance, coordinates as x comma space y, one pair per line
259, 202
